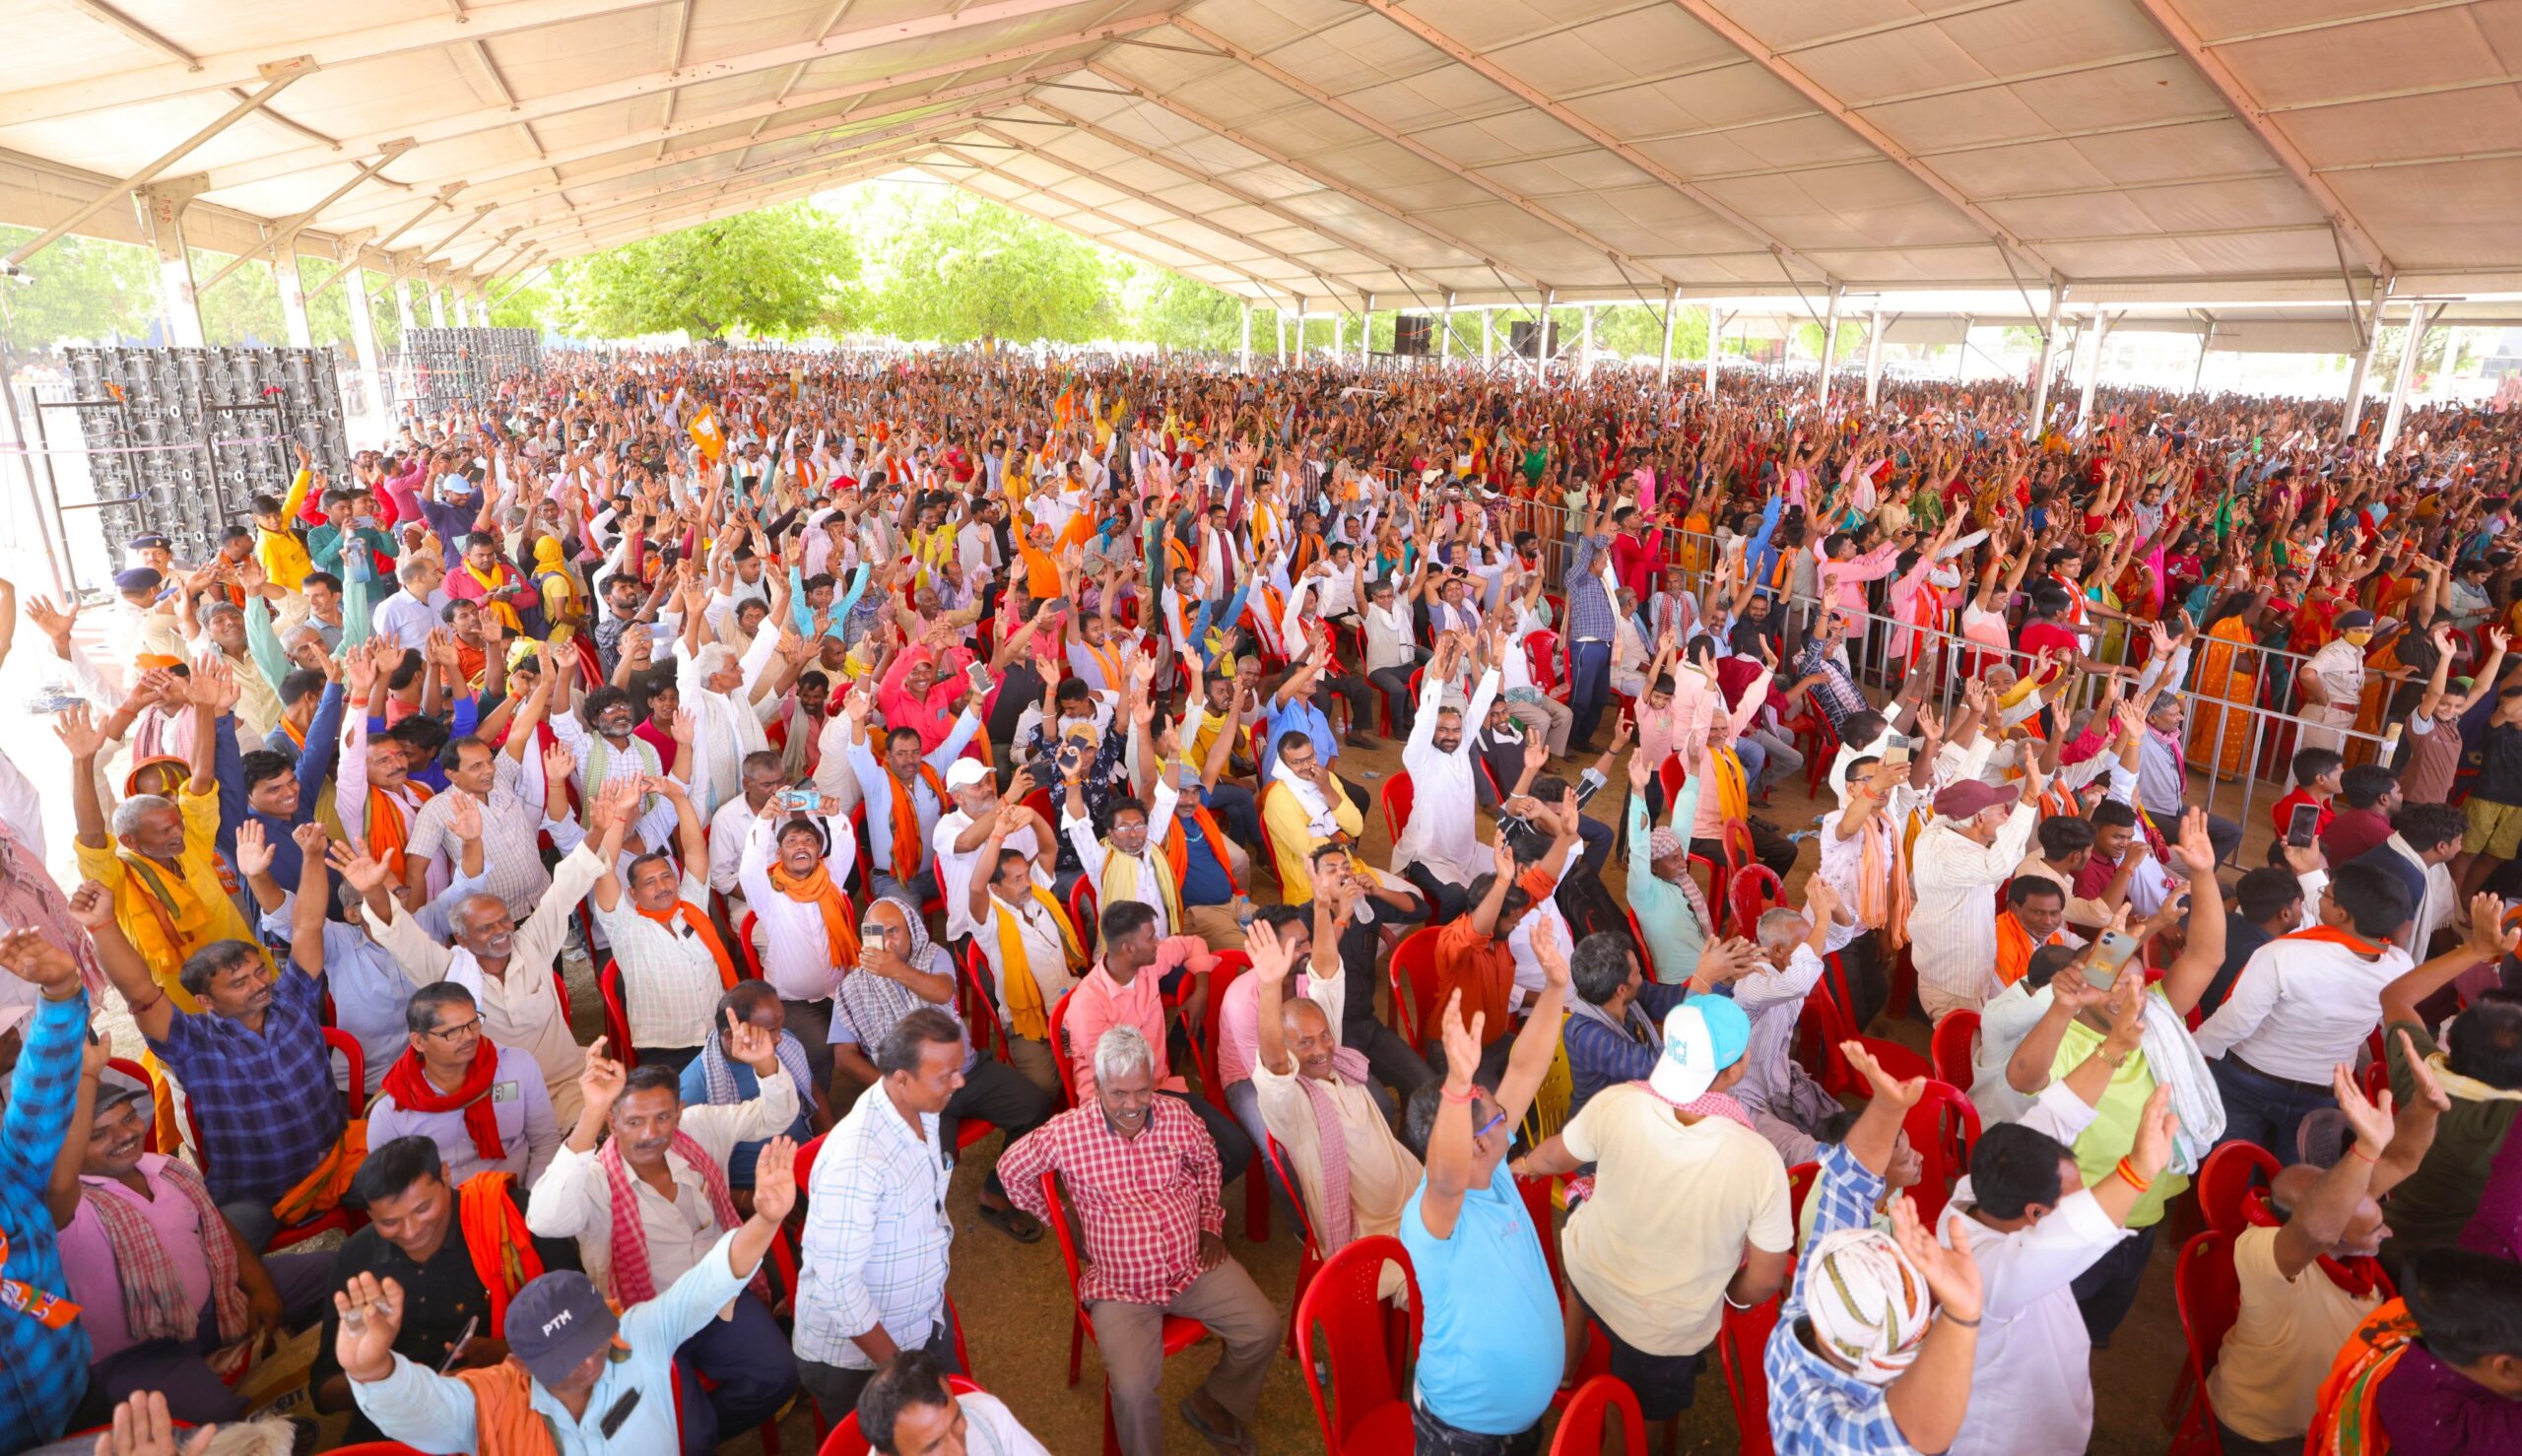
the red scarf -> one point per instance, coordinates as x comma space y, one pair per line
2357, 1276
410, 1087
633, 1282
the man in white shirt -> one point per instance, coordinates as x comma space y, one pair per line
672, 967
763, 777
961, 836
2033, 1227
1971, 847
792, 871
1129, 862
2304, 1004
1390, 653
1439, 850
406, 618
671, 1161
872, 1265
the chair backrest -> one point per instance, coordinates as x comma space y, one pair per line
1541, 1196
1713, 892
806, 1151
1341, 1332
1541, 657
745, 952
976, 1000
617, 1015
1286, 1172
1261, 813
845, 1440
1955, 1049
1060, 1229
1637, 935
1673, 775
1083, 909
1398, 794
1204, 1036
1942, 1128
1414, 984
1752, 891
356, 1055
1590, 1409
1820, 1027
1742, 1344
1740, 853
2230, 1173
1549, 1110
1060, 1053
1799, 1187
2210, 1296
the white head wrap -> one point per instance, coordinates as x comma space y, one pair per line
1866, 1302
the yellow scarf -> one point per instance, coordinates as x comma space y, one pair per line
490, 582
1732, 793
1121, 881
1026, 1014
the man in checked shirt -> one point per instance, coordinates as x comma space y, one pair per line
1143, 1176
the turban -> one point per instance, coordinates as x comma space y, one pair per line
1866, 1302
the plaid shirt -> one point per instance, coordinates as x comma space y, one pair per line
876, 1249
41, 1370
1838, 693
266, 1103
1589, 610
1141, 1203
1816, 1409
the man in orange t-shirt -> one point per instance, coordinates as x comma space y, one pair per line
1472, 954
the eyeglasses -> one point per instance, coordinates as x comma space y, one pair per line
1496, 1119
472, 1027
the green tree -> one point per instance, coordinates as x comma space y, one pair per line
775, 273
525, 308
79, 287
1183, 313
964, 268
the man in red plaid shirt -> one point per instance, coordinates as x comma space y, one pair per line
1143, 1176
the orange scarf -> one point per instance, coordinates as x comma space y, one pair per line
708, 933
2344, 1421
1883, 896
907, 841
2332, 935
816, 889
388, 830
2015, 948
1177, 852
495, 1235
505, 1422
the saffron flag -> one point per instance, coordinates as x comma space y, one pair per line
706, 435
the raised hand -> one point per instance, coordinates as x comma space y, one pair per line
1952, 1273
1546, 951
2488, 935
351, 860
1271, 959
371, 1315
76, 727
2371, 1119
752, 1045
1902, 1095
558, 761
28, 955
253, 851
91, 905
1462, 1042
774, 1180
53, 620
2156, 1125
600, 1080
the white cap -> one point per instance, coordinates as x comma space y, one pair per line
962, 773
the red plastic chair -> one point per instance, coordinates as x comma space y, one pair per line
560, 991
1269, 852
1580, 1426
1543, 659
2224, 1181
1740, 852
1061, 1057
1742, 1344
1344, 1331
1955, 1049
845, 1440
1942, 1128
1397, 793
617, 1016
1204, 1056
1799, 1187
806, 1151
1179, 1334
981, 1010
1752, 891
1309, 1260
2211, 1298
1414, 984
1082, 911
744, 947
1713, 892
1817, 740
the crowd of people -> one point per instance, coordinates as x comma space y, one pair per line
954, 755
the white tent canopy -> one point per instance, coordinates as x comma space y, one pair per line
1919, 156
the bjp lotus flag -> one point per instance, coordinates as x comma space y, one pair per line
706, 434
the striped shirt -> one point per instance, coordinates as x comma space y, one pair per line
1952, 927
1816, 1409
669, 974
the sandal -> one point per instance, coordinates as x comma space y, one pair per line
1015, 1223
1249, 1445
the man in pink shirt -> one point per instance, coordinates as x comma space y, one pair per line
1844, 573
1126, 988
920, 693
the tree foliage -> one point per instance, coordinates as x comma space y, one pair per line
82, 288
964, 268
780, 272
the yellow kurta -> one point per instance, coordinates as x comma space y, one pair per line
194, 902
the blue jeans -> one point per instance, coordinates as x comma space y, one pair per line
2264, 1109
1755, 761
1590, 689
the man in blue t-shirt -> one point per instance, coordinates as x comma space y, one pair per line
1491, 1353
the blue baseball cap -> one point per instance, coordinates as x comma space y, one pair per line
1703, 1036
